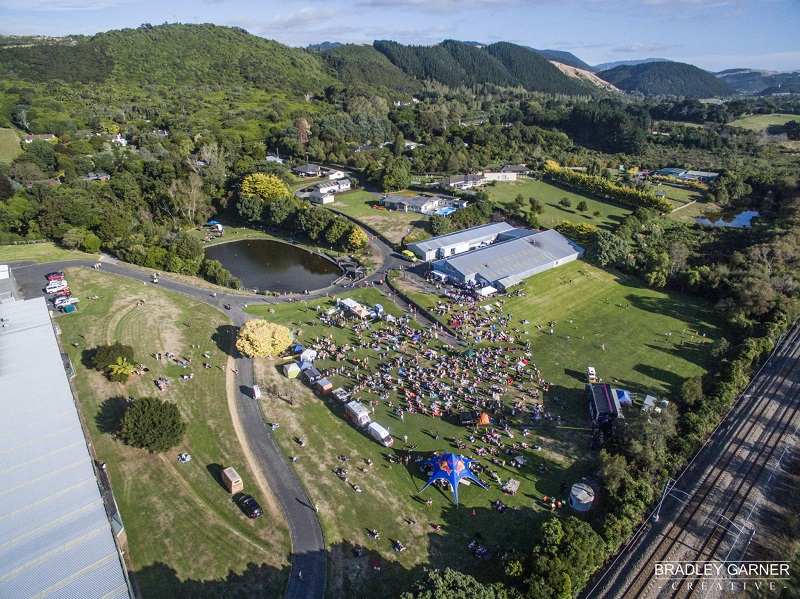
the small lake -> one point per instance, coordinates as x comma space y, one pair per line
264, 264
739, 221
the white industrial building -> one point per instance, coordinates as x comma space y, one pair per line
458, 242
56, 536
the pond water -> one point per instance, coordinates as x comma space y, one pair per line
739, 221
264, 264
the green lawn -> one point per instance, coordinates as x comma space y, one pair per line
186, 536
761, 122
9, 145
359, 205
629, 320
549, 195
41, 252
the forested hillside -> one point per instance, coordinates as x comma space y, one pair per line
362, 65
459, 64
567, 58
667, 79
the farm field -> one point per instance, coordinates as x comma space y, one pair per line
9, 145
549, 195
638, 356
761, 122
186, 536
41, 252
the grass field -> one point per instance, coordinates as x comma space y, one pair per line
9, 145
393, 225
41, 252
549, 195
629, 320
186, 536
761, 122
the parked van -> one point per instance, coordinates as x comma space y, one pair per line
358, 413
380, 434
256, 392
65, 301
232, 480
55, 286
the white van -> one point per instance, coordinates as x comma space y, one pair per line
357, 413
256, 392
55, 286
380, 434
65, 301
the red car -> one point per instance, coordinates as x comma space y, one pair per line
64, 291
54, 276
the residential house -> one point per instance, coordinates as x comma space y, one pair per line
320, 197
118, 140
97, 177
334, 186
519, 169
334, 175
45, 136
307, 170
421, 204
464, 181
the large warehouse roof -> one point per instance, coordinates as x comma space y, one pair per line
55, 536
464, 236
513, 258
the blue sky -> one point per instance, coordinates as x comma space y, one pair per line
713, 34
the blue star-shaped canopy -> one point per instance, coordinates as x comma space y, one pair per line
453, 469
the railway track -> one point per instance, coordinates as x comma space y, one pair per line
719, 482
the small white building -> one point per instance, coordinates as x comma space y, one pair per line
320, 197
334, 175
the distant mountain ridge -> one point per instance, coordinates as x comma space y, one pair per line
606, 66
667, 79
755, 81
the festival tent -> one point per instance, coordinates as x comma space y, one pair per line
305, 364
623, 396
453, 469
469, 353
484, 419
308, 355
297, 348
291, 370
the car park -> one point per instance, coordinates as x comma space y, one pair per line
54, 276
250, 506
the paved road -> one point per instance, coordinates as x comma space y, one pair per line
308, 544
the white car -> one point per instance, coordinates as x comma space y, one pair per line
65, 301
53, 286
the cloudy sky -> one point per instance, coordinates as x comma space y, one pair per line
713, 34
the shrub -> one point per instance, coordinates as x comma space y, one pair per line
152, 424
259, 338
105, 355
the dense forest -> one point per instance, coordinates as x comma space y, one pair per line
667, 78
180, 120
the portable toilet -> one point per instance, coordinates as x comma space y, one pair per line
232, 480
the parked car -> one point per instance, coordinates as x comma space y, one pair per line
250, 506
54, 286
54, 276
65, 301
64, 291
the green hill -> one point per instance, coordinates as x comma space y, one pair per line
456, 63
667, 78
363, 65
169, 55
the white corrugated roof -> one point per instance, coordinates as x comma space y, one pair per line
55, 537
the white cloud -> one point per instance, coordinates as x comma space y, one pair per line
637, 48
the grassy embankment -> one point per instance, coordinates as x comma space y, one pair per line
41, 252
187, 538
637, 355
9, 145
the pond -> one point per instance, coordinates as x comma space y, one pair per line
739, 221
264, 264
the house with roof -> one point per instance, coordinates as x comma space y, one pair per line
518, 169
45, 136
307, 170
514, 255
335, 175
333, 186
421, 204
320, 197
464, 181
117, 140
97, 177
